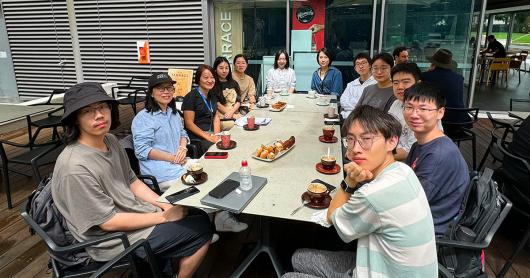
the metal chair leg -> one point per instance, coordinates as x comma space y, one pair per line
5, 176
483, 161
474, 146
510, 260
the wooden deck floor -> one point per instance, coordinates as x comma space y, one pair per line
23, 255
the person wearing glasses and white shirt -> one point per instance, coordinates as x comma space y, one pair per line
281, 76
354, 89
379, 95
435, 159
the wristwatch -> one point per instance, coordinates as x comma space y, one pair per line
349, 189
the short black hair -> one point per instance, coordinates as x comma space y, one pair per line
362, 55
425, 91
198, 72
373, 120
491, 37
219, 60
240, 56
277, 56
398, 50
387, 58
327, 53
410, 68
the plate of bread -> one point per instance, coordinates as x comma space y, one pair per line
278, 106
274, 150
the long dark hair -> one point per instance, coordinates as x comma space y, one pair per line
71, 126
218, 86
277, 56
152, 106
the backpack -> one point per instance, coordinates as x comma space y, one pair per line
480, 208
43, 211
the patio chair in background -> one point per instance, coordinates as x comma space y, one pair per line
461, 131
137, 84
499, 135
53, 120
515, 64
524, 55
520, 100
497, 67
34, 155
516, 190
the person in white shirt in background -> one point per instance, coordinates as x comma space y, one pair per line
281, 76
404, 75
354, 89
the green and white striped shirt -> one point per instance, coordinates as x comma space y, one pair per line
391, 218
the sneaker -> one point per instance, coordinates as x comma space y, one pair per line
227, 222
215, 238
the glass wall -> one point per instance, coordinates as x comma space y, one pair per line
346, 27
521, 31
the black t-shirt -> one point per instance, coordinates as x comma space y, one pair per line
496, 46
193, 101
221, 86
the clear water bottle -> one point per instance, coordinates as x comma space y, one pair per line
245, 176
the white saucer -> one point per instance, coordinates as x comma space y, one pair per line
311, 97
322, 104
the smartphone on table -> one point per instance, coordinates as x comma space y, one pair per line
179, 195
216, 155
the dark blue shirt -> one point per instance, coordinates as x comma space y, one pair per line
444, 175
331, 84
451, 86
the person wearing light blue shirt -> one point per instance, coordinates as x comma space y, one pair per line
159, 136
326, 80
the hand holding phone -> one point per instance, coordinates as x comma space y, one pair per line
216, 155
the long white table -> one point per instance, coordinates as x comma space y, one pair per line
11, 112
288, 177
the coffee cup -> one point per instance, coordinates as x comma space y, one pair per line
195, 170
323, 100
317, 192
261, 101
311, 93
328, 162
251, 122
331, 111
328, 132
269, 92
225, 139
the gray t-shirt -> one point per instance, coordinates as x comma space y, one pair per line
377, 97
89, 187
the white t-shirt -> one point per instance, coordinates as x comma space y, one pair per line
278, 79
352, 93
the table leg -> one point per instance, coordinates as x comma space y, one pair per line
262, 246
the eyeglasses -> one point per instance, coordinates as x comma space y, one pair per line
381, 69
365, 142
169, 88
419, 110
91, 110
363, 63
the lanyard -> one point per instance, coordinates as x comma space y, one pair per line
207, 103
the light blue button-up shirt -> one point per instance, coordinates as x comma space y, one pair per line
162, 131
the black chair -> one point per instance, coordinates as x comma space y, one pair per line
506, 205
512, 187
34, 155
461, 131
519, 100
52, 121
499, 133
125, 259
137, 84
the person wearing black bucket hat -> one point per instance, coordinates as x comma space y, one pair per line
451, 84
96, 191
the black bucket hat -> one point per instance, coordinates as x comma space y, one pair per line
85, 94
158, 78
443, 58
